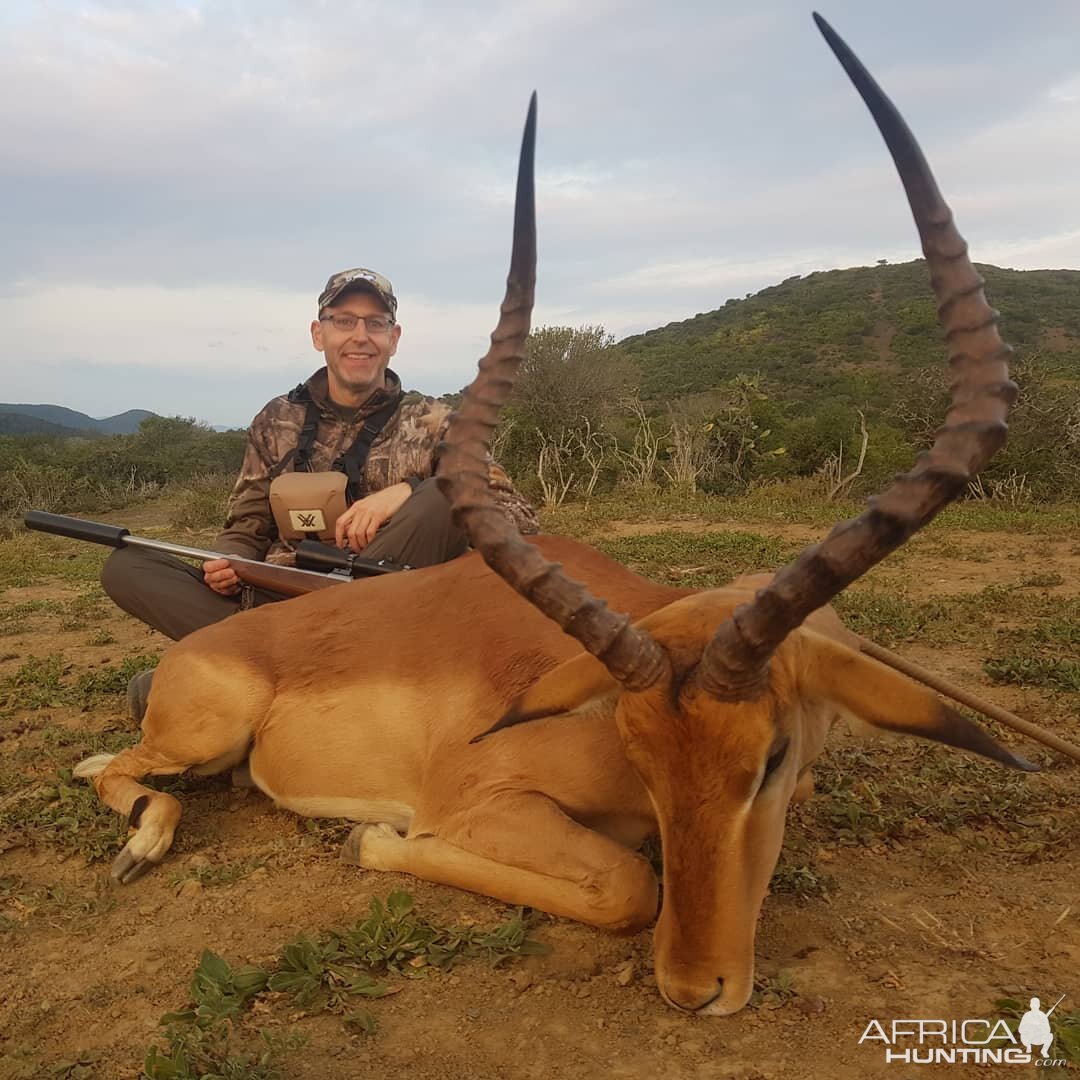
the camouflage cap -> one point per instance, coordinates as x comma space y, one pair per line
359, 277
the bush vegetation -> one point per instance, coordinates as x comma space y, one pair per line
787, 384
831, 381
85, 475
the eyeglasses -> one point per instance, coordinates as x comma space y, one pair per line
375, 324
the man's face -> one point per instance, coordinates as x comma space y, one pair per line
356, 359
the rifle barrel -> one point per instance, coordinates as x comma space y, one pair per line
276, 578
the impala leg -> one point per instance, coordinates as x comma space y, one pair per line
154, 815
804, 786
522, 849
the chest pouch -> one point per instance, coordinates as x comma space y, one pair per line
306, 505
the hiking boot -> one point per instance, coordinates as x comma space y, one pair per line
138, 692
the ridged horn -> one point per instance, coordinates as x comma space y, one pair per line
631, 655
735, 662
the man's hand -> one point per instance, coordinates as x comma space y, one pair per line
221, 577
356, 528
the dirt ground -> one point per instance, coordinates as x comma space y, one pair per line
931, 922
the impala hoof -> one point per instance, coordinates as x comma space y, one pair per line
128, 867
362, 846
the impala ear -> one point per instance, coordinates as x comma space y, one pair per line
573, 686
890, 701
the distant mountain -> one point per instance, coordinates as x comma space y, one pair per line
14, 423
61, 421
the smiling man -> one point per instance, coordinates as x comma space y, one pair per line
349, 442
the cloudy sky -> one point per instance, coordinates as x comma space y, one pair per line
178, 180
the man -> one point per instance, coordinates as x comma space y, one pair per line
351, 417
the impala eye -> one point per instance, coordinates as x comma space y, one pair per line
774, 760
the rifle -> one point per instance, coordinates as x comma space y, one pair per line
318, 565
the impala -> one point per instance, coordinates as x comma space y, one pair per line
495, 727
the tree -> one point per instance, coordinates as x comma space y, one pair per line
570, 385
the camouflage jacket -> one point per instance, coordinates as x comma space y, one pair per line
406, 447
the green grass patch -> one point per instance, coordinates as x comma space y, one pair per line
1046, 672
36, 684
86, 608
980, 515
29, 558
778, 503
865, 800
1044, 653
890, 616
696, 560
43, 682
21, 902
65, 813
795, 502
19, 618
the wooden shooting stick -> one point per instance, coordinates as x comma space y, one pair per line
965, 697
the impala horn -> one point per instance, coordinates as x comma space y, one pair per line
631, 655
733, 666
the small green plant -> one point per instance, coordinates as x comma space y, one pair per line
218, 992
101, 636
772, 992
321, 974
395, 938
328, 972
361, 1022
194, 1053
220, 875
805, 882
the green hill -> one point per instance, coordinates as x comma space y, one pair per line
851, 335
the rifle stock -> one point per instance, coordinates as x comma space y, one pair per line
287, 580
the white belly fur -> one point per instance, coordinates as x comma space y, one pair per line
371, 811
397, 815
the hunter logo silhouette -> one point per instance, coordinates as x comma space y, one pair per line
1035, 1027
